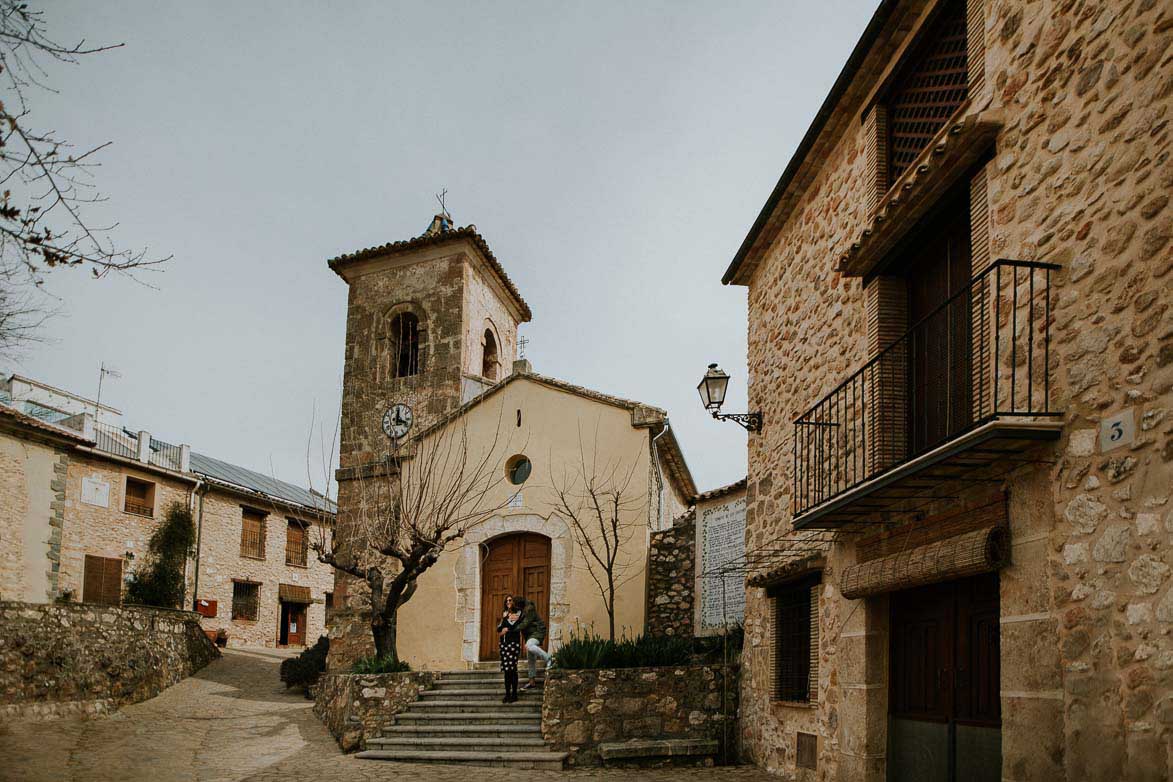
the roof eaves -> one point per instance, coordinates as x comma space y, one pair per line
31, 422
722, 491
850, 69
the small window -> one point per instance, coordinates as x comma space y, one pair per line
295, 543
245, 600
102, 581
140, 497
796, 642
489, 356
252, 534
518, 469
405, 345
329, 607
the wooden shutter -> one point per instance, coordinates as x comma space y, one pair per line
976, 45
931, 86
295, 548
252, 534
813, 675
102, 581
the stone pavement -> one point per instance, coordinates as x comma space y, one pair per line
233, 721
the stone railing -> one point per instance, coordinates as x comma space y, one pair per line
60, 659
354, 706
585, 708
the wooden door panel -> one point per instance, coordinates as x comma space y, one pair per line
514, 565
102, 580
296, 625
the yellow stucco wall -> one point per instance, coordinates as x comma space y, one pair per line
439, 626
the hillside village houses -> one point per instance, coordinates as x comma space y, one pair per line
961, 343
80, 495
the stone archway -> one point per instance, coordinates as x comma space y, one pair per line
468, 575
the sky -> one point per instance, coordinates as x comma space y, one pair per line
613, 155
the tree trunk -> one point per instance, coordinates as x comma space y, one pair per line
611, 606
384, 629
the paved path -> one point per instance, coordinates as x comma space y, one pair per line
233, 721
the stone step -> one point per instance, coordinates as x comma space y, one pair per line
441, 730
550, 761
495, 665
479, 681
464, 706
518, 717
459, 743
479, 694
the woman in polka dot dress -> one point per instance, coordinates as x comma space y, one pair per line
510, 647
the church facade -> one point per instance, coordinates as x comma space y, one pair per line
431, 356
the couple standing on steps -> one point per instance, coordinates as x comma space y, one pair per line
519, 621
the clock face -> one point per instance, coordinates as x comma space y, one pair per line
397, 420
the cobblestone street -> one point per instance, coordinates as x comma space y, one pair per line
234, 721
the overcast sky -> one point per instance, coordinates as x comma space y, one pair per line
613, 155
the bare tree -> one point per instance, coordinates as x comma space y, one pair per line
601, 505
46, 184
415, 502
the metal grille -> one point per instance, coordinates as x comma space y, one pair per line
245, 600
295, 547
116, 440
792, 644
405, 345
930, 88
140, 497
252, 535
166, 455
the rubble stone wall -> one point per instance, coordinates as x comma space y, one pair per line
584, 708
356, 706
78, 659
1080, 177
671, 580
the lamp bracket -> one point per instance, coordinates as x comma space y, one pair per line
751, 422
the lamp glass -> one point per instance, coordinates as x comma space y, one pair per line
712, 388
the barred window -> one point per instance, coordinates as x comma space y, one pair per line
252, 534
795, 650
245, 600
140, 497
295, 543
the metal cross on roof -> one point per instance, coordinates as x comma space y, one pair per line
521, 344
441, 196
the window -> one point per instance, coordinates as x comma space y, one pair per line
796, 641
252, 534
329, 607
295, 543
489, 356
518, 469
928, 89
246, 598
405, 345
140, 497
102, 582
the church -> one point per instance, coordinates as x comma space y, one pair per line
432, 353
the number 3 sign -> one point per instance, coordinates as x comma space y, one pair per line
1117, 431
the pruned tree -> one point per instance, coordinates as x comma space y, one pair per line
419, 499
45, 182
603, 510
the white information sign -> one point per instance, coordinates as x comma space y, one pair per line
1117, 431
95, 491
722, 532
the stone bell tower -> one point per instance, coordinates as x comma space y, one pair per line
431, 322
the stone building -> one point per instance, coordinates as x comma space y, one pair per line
961, 340
431, 353
81, 497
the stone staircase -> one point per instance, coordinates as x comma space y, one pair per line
461, 720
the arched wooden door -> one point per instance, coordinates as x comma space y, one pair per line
513, 565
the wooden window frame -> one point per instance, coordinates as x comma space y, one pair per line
242, 602
291, 558
246, 539
134, 507
801, 600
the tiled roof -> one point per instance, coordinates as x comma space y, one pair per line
713, 494
431, 237
233, 476
29, 421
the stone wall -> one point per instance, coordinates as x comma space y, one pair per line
582, 709
62, 659
32, 516
671, 579
354, 706
350, 638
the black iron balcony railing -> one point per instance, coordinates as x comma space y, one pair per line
982, 354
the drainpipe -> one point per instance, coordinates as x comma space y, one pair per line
660, 475
198, 491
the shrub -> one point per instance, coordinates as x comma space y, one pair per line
586, 650
385, 664
713, 648
305, 669
159, 581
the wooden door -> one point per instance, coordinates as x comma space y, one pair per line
102, 581
295, 627
513, 565
945, 710
939, 346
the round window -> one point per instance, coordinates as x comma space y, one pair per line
517, 469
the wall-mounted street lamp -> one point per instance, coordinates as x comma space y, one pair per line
712, 390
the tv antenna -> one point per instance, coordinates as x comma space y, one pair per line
102, 373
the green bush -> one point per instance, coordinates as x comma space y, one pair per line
587, 650
305, 669
385, 664
159, 581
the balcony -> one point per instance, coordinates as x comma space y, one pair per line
960, 399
